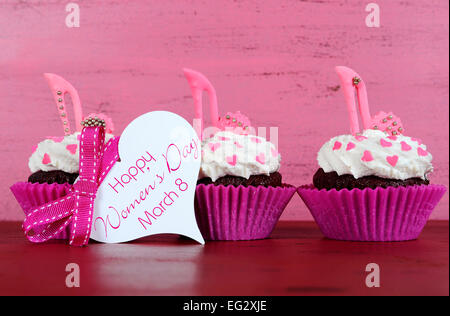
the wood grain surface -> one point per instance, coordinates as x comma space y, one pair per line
270, 59
296, 260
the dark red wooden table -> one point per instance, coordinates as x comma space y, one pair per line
297, 260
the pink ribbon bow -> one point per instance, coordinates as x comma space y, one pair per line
47, 221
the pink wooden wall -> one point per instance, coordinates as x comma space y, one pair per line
272, 59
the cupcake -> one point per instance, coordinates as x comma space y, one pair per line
54, 162
240, 194
371, 185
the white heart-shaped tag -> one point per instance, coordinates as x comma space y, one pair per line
151, 190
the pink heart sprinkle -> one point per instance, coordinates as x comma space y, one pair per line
274, 152
350, 146
214, 146
261, 158
238, 145
392, 160
232, 160
367, 156
223, 139
46, 160
34, 148
417, 140
392, 137
385, 143
72, 148
57, 139
405, 146
360, 138
337, 145
422, 152
256, 140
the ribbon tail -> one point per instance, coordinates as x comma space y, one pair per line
44, 223
92, 144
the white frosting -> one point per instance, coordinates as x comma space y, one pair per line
231, 154
376, 154
58, 153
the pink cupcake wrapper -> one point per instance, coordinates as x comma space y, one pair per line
32, 195
381, 214
239, 213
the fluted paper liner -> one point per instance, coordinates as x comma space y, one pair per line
381, 214
32, 195
239, 213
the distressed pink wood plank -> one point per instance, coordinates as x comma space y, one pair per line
271, 59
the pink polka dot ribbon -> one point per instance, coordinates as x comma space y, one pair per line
48, 220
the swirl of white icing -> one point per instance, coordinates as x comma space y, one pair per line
376, 154
231, 154
58, 153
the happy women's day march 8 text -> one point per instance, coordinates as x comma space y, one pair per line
172, 160
151, 189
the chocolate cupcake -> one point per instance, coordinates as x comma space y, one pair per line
371, 185
272, 180
55, 160
234, 159
240, 194
331, 180
371, 160
54, 163
55, 176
